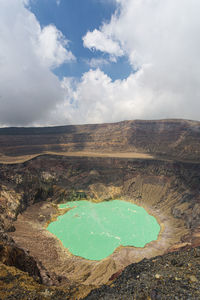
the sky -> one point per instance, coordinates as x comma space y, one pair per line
94, 61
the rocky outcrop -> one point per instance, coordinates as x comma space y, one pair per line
17, 285
11, 255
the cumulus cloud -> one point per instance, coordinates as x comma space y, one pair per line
98, 40
161, 40
96, 99
50, 47
29, 91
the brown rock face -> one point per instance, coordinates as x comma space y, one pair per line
11, 255
178, 139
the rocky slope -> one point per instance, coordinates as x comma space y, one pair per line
179, 139
168, 189
171, 276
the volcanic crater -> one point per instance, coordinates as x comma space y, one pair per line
153, 164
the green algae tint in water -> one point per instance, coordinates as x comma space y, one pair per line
94, 231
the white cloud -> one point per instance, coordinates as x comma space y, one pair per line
51, 47
96, 99
162, 39
29, 91
98, 40
97, 62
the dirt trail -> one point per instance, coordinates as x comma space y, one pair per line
20, 159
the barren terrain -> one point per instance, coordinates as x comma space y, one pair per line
155, 164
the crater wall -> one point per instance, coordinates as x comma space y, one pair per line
179, 139
30, 191
155, 164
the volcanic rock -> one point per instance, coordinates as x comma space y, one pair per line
154, 164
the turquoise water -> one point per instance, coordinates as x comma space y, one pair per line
94, 231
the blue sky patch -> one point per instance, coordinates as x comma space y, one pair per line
74, 18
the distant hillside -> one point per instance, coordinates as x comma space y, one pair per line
175, 139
